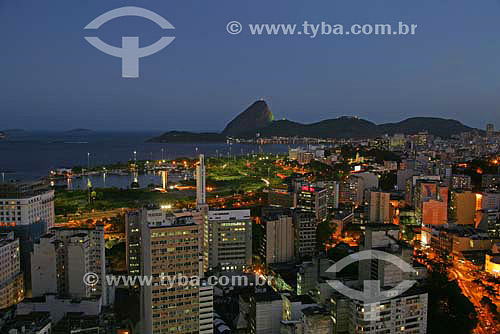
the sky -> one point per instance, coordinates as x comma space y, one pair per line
53, 79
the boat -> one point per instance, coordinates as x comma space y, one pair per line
3, 135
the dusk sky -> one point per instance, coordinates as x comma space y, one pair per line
52, 78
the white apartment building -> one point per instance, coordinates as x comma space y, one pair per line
229, 239
25, 205
27, 209
61, 258
279, 239
206, 303
266, 310
171, 248
404, 314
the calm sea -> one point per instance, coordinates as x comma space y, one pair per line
27, 155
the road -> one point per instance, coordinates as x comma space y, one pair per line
467, 276
474, 292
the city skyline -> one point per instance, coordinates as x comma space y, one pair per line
263, 167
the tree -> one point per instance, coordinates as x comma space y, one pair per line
449, 310
323, 234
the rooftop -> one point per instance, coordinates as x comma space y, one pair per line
34, 321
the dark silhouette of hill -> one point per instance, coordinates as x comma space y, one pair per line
343, 127
437, 126
257, 119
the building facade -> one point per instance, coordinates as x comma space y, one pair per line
279, 239
63, 257
229, 239
27, 209
380, 207
312, 199
11, 277
305, 226
170, 248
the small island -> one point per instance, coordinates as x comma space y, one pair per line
189, 137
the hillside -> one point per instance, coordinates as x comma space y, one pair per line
436, 126
258, 119
255, 117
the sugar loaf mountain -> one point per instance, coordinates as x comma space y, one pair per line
258, 119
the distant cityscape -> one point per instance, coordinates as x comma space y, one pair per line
262, 233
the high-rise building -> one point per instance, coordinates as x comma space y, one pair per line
435, 212
11, 278
27, 209
384, 238
460, 182
490, 200
403, 175
63, 257
397, 142
411, 186
153, 214
370, 180
170, 247
279, 239
333, 192
266, 309
133, 221
463, 207
351, 190
312, 199
310, 272
489, 221
431, 203
293, 305
26, 204
206, 308
490, 130
380, 207
201, 199
229, 239
406, 313
340, 308
490, 181
305, 226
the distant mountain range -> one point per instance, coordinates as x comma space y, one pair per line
258, 119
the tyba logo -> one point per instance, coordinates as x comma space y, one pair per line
130, 52
371, 292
